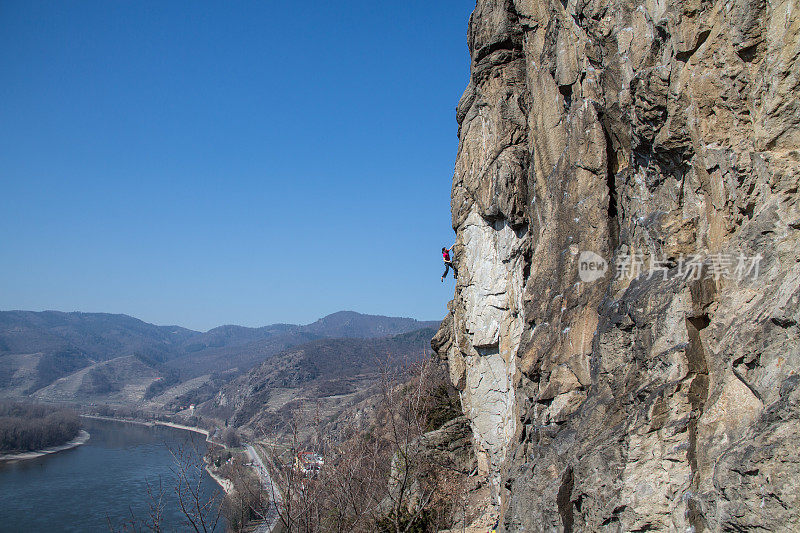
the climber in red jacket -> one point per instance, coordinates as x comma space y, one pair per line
448, 263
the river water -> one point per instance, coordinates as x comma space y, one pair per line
96, 486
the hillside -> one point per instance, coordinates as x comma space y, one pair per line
98, 336
98, 357
330, 374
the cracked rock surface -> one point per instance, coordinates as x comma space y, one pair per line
663, 136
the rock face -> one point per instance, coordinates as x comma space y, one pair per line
662, 136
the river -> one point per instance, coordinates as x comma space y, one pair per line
101, 482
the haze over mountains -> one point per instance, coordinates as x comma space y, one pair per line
118, 359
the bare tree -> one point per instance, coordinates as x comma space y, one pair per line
248, 501
153, 522
201, 514
375, 478
406, 417
27, 426
296, 513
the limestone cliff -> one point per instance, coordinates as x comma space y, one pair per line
664, 137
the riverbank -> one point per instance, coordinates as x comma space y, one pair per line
82, 438
105, 484
115, 419
225, 484
272, 523
187, 428
193, 429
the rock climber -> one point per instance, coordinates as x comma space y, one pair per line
448, 263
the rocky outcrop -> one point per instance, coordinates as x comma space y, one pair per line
432, 463
624, 328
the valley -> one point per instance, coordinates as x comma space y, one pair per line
116, 364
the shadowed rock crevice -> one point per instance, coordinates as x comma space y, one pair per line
701, 38
564, 500
566, 93
698, 395
612, 168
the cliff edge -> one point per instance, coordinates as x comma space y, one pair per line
624, 329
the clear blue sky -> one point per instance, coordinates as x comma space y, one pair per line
204, 163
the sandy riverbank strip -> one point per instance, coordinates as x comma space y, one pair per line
187, 428
82, 437
226, 484
203, 432
114, 419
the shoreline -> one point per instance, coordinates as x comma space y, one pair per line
82, 438
174, 425
204, 432
225, 484
114, 419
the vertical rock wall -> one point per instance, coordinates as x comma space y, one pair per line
666, 132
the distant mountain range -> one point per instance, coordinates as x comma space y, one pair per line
113, 358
